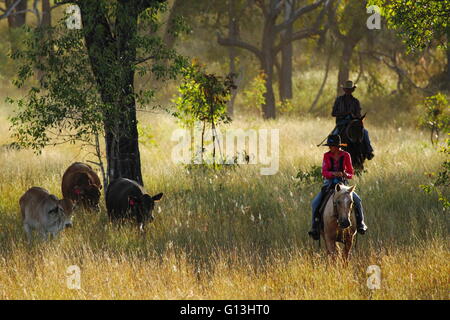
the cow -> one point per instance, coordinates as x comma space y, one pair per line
82, 185
127, 200
44, 212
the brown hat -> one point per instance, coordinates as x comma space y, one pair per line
348, 85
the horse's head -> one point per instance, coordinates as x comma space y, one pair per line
343, 203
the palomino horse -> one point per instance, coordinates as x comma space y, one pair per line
339, 221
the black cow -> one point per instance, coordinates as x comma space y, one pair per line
127, 199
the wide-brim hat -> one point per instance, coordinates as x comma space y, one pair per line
334, 140
348, 85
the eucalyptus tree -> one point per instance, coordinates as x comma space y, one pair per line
88, 88
276, 35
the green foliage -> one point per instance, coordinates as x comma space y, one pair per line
285, 106
146, 136
421, 21
253, 97
67, 102
202, 97
311, 177
441, 182
64, 106
436, 115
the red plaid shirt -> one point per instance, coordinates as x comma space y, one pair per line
347, 165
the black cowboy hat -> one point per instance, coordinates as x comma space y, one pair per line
334, 140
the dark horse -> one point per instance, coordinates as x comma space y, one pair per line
352, 134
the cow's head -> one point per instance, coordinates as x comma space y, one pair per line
88, 196
142, 207
57, 218
68, 206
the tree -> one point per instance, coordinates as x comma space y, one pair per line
203, 98
441, 182
349, 31
88, 83
422, 22
16, 12
271, 44
436, 116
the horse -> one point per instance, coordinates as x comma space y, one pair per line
339, 221
352, 135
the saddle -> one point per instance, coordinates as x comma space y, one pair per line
328, 193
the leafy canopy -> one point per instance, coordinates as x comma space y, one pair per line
420, 21
63, 102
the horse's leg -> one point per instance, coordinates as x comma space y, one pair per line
330, 243
348, 243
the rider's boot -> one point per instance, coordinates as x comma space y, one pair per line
360, 225
315, 232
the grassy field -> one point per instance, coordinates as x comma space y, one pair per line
233, 234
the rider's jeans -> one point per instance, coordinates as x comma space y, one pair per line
367, 141
318, 198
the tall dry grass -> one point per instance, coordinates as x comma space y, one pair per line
233, 234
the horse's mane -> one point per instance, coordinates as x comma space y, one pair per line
344, 189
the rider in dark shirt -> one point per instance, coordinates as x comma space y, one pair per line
347, 107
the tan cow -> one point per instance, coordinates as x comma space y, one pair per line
44, 212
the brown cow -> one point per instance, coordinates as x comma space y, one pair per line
82, 185
43, 212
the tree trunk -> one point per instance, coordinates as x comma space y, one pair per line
344, 65
17, 20
233, 33
112, 61
267, 64
285, 77
46, 22
46, 14
448, 59
169, 38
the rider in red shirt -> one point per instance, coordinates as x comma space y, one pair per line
329, 160
336, 168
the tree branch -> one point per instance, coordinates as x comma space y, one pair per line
305, 33
61, 3
240, 44
297, 14
8, 11
334, 24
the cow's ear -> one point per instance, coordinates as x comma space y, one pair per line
132, 201
337, 187
157, 197
78, 190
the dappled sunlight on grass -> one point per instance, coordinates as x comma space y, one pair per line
232, 234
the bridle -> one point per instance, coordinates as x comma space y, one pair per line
335, 209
